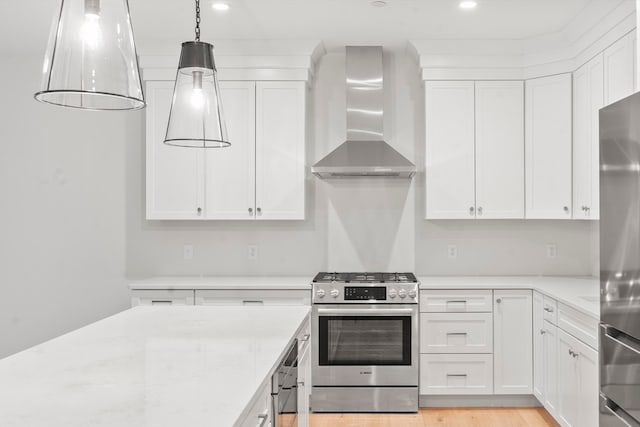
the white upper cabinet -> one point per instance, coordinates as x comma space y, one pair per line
588, 99
231, 173
548, 147
450, 157
175, 175
280, 150
260, 176
474, 149
513, 341
499, 145
620, 69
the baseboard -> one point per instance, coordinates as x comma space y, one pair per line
428, 401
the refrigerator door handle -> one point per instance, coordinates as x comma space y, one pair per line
623, 341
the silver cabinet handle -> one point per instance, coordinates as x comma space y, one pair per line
250, 211
263, 419
573, 354
542, 332
259, 210
480, 210
566, 209
301, 383
456, 375
161, 302
548, 309
252, 302
499, 300
456, 301
305, 337
199, 210
464, 334
471, 209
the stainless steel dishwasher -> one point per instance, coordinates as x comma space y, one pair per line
284, 390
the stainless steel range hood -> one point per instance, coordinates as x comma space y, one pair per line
364, 153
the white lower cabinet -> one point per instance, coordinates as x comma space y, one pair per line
252, 297
162, 297
304, 376
577, 382
464, 374
513, 348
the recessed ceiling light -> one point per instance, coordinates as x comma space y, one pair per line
468, 4
221, 7
378, 3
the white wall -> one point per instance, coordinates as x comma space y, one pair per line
361, 224
62, 182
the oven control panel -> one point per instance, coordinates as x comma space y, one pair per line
378, 293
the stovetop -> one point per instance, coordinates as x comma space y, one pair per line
365, 278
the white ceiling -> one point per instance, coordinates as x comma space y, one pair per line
25, 24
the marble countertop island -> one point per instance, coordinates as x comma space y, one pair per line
149, 367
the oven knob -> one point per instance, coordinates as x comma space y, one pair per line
320, 293
393, 293
402, 293
335, 293
413, 293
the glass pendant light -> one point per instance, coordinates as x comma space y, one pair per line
91, 60
196, 118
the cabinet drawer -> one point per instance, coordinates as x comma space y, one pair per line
456, 374
161, 297
456, 333
456, 301
550, 310
259, 413
253, 297
578, 324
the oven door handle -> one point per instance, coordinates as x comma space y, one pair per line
364, 311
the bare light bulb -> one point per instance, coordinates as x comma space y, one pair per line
90, 31
197, 94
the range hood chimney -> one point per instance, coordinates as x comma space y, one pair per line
364, 153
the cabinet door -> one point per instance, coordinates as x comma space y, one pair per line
280, 150
588, 384
499, 115
620, 69
450, 157
304, 386
568, 413
548, 147
538, 347
588, 98
513, 347
230, 171
175, 175
550, 363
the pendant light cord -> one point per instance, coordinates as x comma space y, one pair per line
197, 20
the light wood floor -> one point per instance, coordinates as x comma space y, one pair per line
441, 417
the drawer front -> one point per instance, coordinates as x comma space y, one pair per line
253, 297
260, 412
550, 310
162, 297
456, 301
456, 333
456, 374
578, 324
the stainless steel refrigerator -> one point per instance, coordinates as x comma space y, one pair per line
620, 263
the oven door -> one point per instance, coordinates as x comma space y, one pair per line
365, 345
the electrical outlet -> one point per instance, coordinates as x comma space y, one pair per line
452, 251
252, 252
552, 250
187, 252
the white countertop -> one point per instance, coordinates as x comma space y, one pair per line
567, 290
149, 367
223, 282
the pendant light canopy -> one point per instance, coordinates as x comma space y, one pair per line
91, 61
196, 118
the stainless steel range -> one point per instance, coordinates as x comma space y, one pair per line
365, 342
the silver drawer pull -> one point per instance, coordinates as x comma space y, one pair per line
263, 419
548, 309
462, 334
305, 338
542, 332
161, 302
457, 375
252, 302
457, 301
